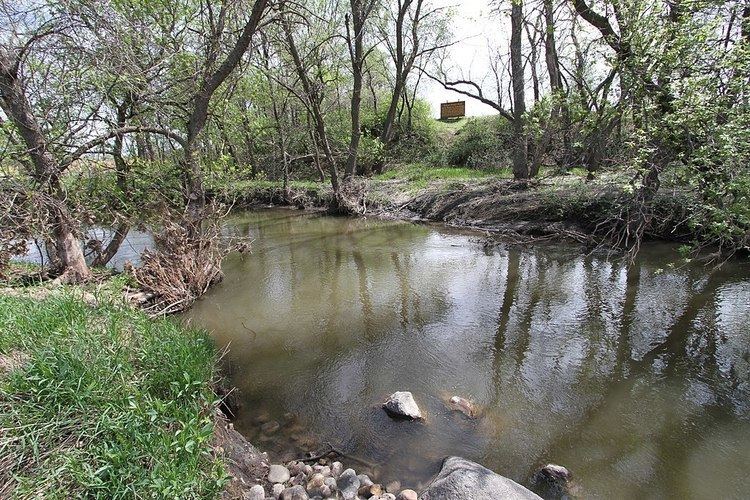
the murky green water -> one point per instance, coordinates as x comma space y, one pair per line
638, 380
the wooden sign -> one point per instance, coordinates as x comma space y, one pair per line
452, 109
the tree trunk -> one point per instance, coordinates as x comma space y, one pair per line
46, 172
520, 168
356, 51
313, 103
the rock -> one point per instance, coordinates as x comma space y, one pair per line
331, 483
393, 487
322, 469
554, 481
402, 405
387, 496
460, 479
300, 479
336, 469
255, 493
277, 489
468, 408
348, 484
270, 427
315, 484
370, 490
308, 470
364, 480
326, 491
278, 474
407, 495
294, 493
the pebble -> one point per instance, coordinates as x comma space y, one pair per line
299, 479
278, 474
407, 495
387, 496
315, 484
331, 483
294, 493
348, 484
364, 480
370, 490
393, 487
322, 469
256, 493
277, 489
336, 469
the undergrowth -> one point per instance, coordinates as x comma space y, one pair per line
104, 403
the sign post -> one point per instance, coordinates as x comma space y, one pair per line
455, 109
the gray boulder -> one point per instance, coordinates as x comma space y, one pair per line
401, 404
460, 479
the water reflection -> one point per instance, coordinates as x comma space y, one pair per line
635, 378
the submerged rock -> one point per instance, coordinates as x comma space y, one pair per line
270, 427
461, 479
278, 474
401, 404
468, 408
554, 481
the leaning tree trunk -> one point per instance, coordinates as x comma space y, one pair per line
46, 172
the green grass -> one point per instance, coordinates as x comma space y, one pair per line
418, 172
107, 404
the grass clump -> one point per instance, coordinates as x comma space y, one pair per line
105, 404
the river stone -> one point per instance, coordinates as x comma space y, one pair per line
364, 480
315, 484
401, 404
331, 483
393, 487
255, 493
294, 493
278, 474
348, 484
553, 481
460, 479
336, 469
277, 489
387, 496
407, 495
457, 403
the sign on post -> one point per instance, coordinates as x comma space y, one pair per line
455, 109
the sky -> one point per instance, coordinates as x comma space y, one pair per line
473, 26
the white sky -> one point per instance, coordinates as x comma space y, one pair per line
474, 24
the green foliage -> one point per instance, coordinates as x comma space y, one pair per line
106, 403
482, 143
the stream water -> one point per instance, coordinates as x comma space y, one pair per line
636, 379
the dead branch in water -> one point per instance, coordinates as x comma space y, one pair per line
184, 264
332, 450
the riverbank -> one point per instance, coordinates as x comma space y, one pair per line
99, 400
553, 207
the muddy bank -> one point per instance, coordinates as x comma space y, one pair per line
587, 213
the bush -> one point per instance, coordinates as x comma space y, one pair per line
482, 143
